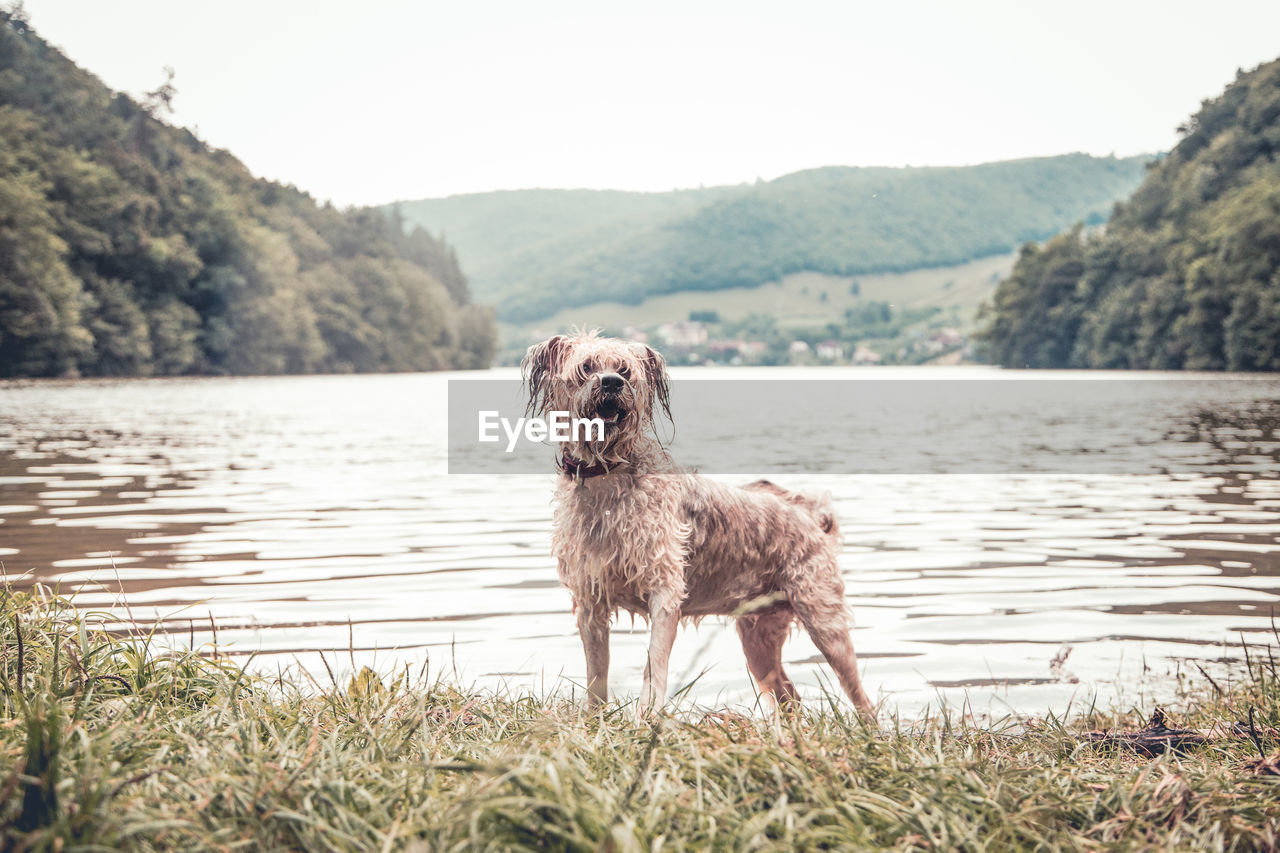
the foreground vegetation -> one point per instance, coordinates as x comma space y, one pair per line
1187, 272
106, 742
536, 252
130, 247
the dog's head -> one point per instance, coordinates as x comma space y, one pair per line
620, 382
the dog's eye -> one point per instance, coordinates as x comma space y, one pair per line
624, 372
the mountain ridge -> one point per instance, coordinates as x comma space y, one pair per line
546, 250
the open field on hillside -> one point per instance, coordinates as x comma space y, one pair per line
803, 299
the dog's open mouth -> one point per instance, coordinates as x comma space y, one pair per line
611, 412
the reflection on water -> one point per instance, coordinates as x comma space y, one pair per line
315, 513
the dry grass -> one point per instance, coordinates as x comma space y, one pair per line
796, 301
105, 743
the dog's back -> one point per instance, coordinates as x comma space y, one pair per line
819, 505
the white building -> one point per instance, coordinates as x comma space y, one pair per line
830, 351
865, 355
682, 335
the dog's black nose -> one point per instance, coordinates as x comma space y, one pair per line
611, 382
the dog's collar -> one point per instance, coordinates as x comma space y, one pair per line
575, 470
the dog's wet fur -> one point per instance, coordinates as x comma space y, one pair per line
634, 532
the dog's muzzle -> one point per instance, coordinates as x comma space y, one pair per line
610, 406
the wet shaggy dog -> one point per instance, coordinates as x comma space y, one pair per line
634, 532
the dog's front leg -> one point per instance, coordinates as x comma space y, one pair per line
593, 625
664, 618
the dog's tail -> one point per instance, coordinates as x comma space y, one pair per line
824, 512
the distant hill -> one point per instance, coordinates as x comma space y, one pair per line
1186, 273
129, 247
535, 252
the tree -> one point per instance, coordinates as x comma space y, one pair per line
128, 247
1187, 271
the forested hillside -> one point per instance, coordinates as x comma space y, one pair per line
129, 247
1186, 273
537, 251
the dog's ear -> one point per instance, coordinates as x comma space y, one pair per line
655, 374
539, 369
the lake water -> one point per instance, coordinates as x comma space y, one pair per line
316, 514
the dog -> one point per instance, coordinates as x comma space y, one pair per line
632, 531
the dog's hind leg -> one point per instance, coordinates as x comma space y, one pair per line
664, 618
817, 597
593, 626
762, 635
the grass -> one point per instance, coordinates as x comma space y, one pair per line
108, 742
800, 300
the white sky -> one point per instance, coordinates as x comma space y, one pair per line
366, 102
